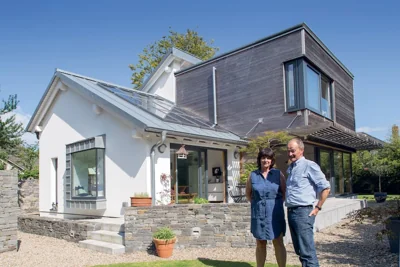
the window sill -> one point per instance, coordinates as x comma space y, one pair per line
87, 204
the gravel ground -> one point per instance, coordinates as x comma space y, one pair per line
342, 244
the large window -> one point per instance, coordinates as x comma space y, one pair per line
88, 174
306, 87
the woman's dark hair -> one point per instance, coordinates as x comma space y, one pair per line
268, 153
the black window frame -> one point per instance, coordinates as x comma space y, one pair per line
97, 163
300, 87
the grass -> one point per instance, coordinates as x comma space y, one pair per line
371, 197
191, 263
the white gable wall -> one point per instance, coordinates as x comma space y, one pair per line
165, 85
127, 167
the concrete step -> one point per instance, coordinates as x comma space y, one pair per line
113, 227
103, 247
107, 236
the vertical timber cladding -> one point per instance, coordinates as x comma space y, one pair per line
249, 86
343, 82
91, 143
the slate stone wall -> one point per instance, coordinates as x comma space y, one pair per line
69, 230
28, 195
206, 225
9, 210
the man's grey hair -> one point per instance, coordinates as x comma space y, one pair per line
299, 142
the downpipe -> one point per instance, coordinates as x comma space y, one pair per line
153, 167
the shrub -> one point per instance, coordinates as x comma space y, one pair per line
199, 200
141, 194
164, 233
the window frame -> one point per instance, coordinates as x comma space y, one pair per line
104, 175
301, 88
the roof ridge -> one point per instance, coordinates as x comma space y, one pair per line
109, 84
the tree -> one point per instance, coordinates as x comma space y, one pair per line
10, 130
151, 56
275, 140
28, 158
382, 163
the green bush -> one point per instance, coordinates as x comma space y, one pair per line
199, 200
164, 233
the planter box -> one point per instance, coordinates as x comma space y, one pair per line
380, 197
140, 201
394, 227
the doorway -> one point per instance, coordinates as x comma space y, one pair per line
189, 176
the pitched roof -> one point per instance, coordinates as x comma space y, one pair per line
148, 111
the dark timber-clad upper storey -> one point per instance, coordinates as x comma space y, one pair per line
288, 80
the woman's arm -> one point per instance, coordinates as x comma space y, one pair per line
283, 186
248, 188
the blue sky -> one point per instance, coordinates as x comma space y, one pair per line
101, 38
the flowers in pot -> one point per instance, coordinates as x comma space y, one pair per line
164, 239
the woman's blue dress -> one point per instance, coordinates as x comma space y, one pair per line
267, 214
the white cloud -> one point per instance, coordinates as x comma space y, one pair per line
22, 117
367, 129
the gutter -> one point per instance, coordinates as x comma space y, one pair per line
153, 167
180, 134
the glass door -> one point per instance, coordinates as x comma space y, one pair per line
325, 162
189, 175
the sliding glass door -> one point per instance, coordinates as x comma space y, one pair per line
189, 176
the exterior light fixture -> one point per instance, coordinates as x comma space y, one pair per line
182, 153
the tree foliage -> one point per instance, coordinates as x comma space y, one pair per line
151, 56
10, 130
371, 166
275, 140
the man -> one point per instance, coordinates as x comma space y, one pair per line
305, 182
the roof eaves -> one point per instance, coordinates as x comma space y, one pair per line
268, 39
245, 47
28, 126
326, 49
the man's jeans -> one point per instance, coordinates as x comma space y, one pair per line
301, 229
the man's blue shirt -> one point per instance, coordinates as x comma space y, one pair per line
305, 181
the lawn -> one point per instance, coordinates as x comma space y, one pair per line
191, 263
371, 197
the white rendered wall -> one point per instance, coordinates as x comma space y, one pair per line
72, 119
165, 85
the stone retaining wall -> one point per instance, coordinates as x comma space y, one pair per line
9, 210
73, 231
28, 195
207, 225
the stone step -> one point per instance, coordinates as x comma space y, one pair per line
103, 247
113, 227
107, 236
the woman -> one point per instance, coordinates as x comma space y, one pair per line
265, 189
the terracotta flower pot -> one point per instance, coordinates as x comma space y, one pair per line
140, 201
164, 247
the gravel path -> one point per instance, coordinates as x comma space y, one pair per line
340, 245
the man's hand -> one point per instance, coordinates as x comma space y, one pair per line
314, 212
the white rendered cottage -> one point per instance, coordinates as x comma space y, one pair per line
101, 143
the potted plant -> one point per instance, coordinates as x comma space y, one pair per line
164, 239
388, 215
199, 200
141, 199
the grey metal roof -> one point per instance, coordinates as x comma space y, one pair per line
150, 111
267, 39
